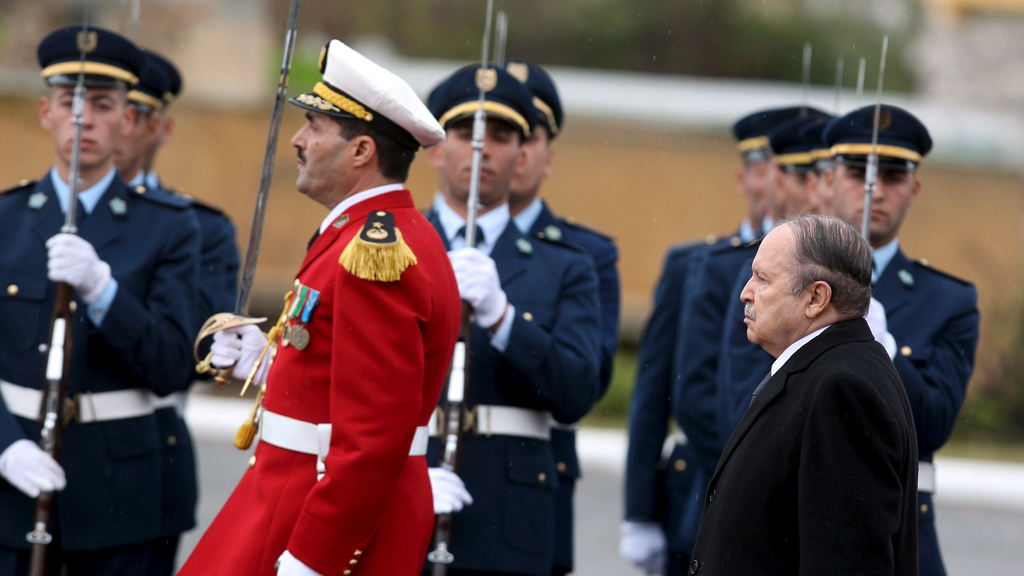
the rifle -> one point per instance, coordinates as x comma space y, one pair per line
860, 79
839, 82
454, 408
871, 171
805, 84
58, 353
240, 317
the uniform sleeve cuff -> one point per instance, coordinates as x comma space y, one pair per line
500, 338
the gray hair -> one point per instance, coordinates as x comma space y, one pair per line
830, 250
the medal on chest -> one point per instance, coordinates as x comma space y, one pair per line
298, 315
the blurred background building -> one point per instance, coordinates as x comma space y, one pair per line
650, 88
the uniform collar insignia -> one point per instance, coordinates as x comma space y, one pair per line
906, 277
553, 232
524, 246
118, 207
37, 200
340, 221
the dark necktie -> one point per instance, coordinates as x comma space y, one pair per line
479, 235
759, 386
316, 234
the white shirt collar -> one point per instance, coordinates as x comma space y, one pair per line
89, 197
882, 256
356, 198
492, 225
152, 181
788, 352
528, 217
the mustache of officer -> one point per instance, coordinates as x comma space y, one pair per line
748, 311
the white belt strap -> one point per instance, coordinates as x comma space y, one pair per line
511, 421
926, 477
174, 400
91, 406
308, 438
556, 425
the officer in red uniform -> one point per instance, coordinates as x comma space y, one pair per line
338, 485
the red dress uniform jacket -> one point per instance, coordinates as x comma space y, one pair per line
377, 358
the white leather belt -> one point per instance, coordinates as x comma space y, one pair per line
309, 438
502, 421
926, 477
174, 400
89, 406
556, 425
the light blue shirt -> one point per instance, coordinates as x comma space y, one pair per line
491, 224
97, 311
140, 178
152, 182
528, 217
882, 256
746, 232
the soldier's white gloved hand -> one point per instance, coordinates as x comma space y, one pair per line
73, 260
288, 565
479, 285
29, 469
450, 494
644, 545
880, 327
241, 346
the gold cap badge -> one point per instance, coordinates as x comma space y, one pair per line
486, 79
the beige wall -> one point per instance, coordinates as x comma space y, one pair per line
647, 190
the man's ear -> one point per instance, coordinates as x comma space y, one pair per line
435, 154
44, 112
130, 114
820, 299
166, 129
363, 150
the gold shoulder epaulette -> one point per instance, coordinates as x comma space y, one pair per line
378, 253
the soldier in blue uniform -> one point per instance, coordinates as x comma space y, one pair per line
159, 85
932, 316
663, 495
535, 343
134, 268
533, 217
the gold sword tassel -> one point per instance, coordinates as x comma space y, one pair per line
247, 431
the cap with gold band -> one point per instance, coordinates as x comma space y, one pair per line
545, 94
903, 141
355, 87
790, 143
821, 154
751, 131
148, 93
110, 59
174, 82
505, 98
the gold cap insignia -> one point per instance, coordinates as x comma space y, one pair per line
486, 79
885, 120
316, 102
86, 41
518, 70
322, 60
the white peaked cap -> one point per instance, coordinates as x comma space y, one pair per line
355, 87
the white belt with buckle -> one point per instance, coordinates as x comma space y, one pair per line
502, 421
90, 406
926, 477
309, 438
174, 400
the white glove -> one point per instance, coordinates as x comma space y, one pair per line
240, 346
479, 285
880, 327
288, 565
450, 494
643, 544
73, 260
29, 469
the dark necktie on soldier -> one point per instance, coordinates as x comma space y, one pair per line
479, 235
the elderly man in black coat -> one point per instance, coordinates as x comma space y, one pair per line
820, 474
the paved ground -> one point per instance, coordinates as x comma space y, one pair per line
981, 529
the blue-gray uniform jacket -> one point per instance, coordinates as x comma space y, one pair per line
563, 441
657, 491
218, 285
551, 364
151, 242
934, 319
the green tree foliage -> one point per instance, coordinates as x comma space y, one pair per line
722, 38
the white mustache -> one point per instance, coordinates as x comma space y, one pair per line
748, 310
